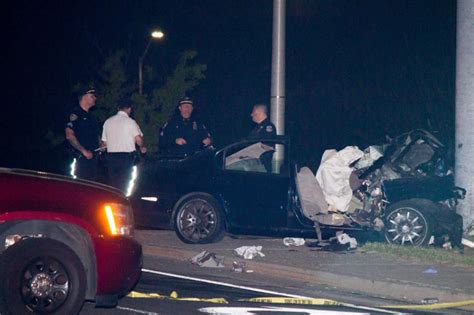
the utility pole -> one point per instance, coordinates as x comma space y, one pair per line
140, 68
278, 77
464, 152
278, 67
155, 35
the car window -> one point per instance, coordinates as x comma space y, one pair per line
255, 157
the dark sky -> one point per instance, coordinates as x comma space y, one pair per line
356, 70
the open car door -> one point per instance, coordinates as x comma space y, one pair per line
254, 182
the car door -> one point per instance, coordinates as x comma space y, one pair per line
254, 182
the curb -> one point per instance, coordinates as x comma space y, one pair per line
394, 289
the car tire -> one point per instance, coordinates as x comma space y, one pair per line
41, 276
409, 222
198, 219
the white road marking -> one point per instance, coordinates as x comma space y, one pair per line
226, 310
128, 309
242, 287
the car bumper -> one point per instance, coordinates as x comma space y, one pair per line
119, 264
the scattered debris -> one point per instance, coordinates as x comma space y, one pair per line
430, 270
293, 241
447, 245
208, 260
342, 242
240, 266
343, 239
249, 252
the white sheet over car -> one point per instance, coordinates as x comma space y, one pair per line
333, 176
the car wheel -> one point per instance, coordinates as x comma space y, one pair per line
198, 219
409, 223
41, 276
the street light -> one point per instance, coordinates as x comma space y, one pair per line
155, 35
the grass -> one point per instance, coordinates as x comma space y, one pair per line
425, 254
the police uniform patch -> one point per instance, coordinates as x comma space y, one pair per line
269, 128
72, 117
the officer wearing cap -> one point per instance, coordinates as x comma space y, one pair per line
264, 127
82, 132
184, 135
121, 135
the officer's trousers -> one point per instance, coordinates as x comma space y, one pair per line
119, 167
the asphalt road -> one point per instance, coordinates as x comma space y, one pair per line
168, 280
165, 285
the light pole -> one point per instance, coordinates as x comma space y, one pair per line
155, 35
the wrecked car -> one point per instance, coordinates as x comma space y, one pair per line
403, 190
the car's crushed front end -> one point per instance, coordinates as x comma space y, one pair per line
413, 167
404, 189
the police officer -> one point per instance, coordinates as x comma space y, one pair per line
263, 127
120, 135
184, 135
82, 132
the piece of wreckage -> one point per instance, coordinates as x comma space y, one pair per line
403, 189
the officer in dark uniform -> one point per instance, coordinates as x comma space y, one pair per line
82, 132
264, 128
183, 135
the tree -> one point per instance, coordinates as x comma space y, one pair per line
152, 109
152, 112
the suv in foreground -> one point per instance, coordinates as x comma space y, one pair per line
62, 242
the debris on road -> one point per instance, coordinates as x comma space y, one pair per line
240, 267
341, 242
249, 252
208, 260
430, 270
293, 241
343, 239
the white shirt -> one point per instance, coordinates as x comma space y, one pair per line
119, 133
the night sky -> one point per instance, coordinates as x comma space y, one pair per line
356, 70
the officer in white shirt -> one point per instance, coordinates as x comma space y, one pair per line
120, 135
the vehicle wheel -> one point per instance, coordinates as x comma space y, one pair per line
41, 276
198, 219
409, 223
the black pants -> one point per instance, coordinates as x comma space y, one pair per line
119, 167
84, 168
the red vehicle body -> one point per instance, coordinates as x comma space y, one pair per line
93, 223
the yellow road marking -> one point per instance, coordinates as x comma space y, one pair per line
174, 297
